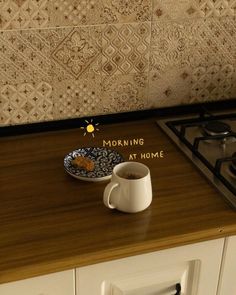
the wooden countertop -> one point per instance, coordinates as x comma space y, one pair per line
50, 221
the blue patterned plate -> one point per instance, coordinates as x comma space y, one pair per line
104, 159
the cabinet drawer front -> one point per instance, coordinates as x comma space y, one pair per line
195, 267
61, 283
162, 281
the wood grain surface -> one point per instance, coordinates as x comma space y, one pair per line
50, 221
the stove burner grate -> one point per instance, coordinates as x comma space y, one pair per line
232, 166
214, 167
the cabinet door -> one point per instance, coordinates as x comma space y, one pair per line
195, 267
227, 285
61, 283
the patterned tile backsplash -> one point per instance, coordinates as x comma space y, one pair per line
65, 59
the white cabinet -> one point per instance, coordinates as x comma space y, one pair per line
61, 283
195, 267
198, 268
227, 284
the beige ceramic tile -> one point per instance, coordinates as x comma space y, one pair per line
74, 13
75, 52
124, 93
120, 11
125, 48
23, 14
192, 42
25, 87
216, 8
77, 98
25, 102
76, 71
171, 9
172, 44
215, 41
169, 88
213, 82
178, 86
192, 61
24, 56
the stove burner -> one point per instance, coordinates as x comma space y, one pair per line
216, 128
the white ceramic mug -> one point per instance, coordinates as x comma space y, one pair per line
130, 189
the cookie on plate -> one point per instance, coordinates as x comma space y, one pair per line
83, 162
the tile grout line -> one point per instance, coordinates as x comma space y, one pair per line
71, 26
116, 23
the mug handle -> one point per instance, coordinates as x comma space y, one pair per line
107, 194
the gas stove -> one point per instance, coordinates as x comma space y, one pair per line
209, 140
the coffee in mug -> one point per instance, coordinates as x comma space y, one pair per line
130, 175
130, 189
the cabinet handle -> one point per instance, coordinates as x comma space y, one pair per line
178, 289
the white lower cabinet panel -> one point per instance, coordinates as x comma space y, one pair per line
61, 283
227, 282
194, 267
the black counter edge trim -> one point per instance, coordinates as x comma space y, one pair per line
46, 126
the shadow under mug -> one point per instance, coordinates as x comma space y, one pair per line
130, 189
